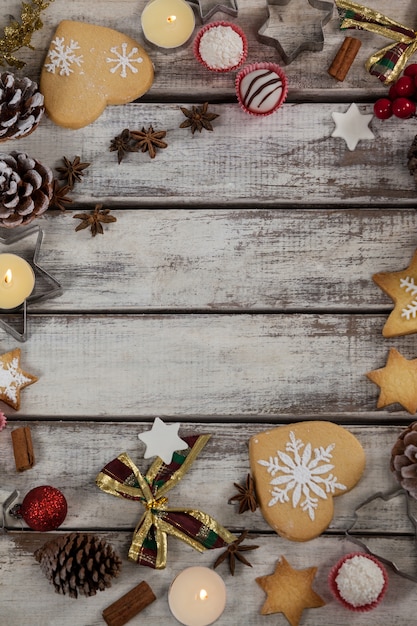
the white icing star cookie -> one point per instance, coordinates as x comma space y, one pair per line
13, 378
162, 440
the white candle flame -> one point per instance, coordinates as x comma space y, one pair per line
203, 594
8, 277
171, 19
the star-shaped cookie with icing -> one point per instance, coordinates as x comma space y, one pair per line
352, 126
162, 440
401, 287
398, 381
289, 591
13, 378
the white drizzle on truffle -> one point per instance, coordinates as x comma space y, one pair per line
221, 47
360, 581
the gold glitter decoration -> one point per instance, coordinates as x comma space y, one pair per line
19, 34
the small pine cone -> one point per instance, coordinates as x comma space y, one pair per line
21, 106
412, 158
26, 188
78, 564
404, 459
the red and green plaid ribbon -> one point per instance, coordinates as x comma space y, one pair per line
122, 478
387, 63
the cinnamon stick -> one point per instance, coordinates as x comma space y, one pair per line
23, 448
129, 605
344, 58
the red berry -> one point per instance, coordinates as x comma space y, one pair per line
411, 70
392, 94
405, 87
403, 108
383, 108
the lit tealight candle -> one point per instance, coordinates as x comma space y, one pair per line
197, 596
17, 280
168, 23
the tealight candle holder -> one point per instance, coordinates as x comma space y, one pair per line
167, 23
22, 281
197, 596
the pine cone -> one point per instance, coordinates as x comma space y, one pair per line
21, 106
404, 459
78, 564
26, 188
412, 158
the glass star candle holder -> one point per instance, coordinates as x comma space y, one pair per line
14, 321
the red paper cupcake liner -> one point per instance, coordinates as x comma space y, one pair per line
333, 586
262, 66
204, 29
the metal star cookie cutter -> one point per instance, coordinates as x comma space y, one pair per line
46, 287
294, 26
207, 8
385, 497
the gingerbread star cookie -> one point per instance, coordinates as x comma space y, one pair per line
13, 378
88, 67
397, 380
289, 591
298, 469
401, 287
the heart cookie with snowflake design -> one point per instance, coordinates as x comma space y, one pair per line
298, 469
88, 67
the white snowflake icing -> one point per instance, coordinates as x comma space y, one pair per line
11, 379
410, 311
124, 60
302, 473
63, 56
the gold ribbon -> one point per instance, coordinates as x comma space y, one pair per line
386, 27
155, 519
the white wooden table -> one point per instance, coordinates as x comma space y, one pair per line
233, 293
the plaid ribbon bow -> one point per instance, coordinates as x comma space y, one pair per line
122, 478
388, 63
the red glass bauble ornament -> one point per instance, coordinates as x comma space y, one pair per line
43, 508
411, 70
403, 108
405, 87
383, 108
392, 93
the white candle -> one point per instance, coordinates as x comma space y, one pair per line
197, 596
168, 23
17, 280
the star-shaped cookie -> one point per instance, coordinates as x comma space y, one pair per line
162, 440
401, 287
397, 380
289, 591
13, 378
352, 126
294, 26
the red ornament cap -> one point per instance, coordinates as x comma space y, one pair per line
43, 508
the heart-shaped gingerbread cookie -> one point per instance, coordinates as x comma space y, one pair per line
88, 67
298, 469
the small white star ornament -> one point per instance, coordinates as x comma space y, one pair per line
162, 440
352, 126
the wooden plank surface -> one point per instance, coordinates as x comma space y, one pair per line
225, 260
277, 161
206, 366
70, 455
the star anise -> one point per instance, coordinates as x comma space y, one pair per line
59, 196
72, 171
233, 553
198, 118
246, 496
123, 143
95, 220
148, 140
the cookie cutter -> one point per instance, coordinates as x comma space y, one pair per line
5, 508
15, 322
207, 8
385, 497
290, 21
